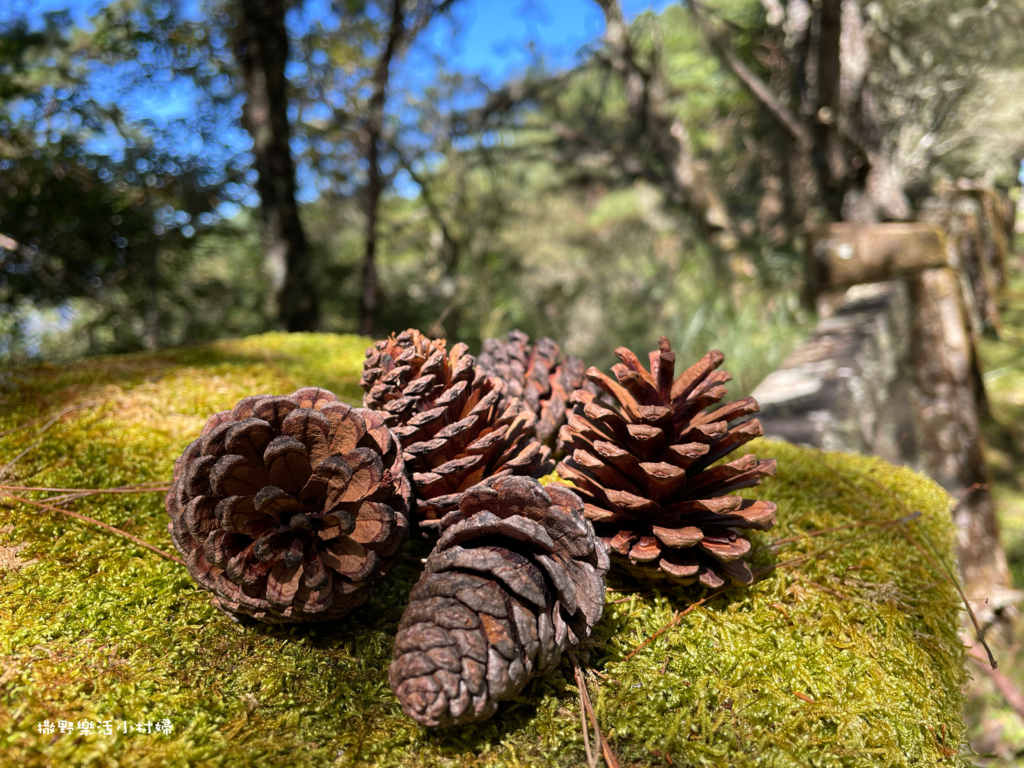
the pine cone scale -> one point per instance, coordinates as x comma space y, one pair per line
500, 597
451, 418
274, 522
537, 375
644, 468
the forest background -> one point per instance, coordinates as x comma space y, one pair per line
598, 171
594, 171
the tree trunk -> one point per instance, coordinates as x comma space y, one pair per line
375, 182
823, 122
263, 52
151, 316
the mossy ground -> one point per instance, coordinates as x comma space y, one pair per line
849, 658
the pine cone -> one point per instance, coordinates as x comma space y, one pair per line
643, 472
450, 418
536, 376
290, 508
516, 575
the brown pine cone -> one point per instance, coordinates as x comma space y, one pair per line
516, 576
450, 418
537, 376
644, 469
290, 508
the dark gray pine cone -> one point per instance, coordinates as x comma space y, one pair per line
516, 576
642, 463
455, 424
538, 375
290, 508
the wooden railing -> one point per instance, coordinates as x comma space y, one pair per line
892, 366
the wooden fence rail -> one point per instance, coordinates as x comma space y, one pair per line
892, 366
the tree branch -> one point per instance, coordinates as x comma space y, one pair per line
670, 138
757, 87
506, 99
435, 210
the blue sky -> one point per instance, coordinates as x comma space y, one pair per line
495, 36
491, 37
494, 39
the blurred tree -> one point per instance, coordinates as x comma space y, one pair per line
870, 95
98, 206
644, 104
348, 118
263, 53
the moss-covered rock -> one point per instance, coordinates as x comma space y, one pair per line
849, 657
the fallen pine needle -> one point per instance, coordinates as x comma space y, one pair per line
77, 516
580, 685
66, 495
53, 420
627, 599
85, 493
675, 619
606, 751
822, 531
49, 423
139, 488
943, 568
821, 552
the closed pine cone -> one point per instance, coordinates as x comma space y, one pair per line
516, 576
536, 374
454, 422
290, 508
643, 469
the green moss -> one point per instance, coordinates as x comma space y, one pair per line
850, 658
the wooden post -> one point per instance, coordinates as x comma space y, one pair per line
959, 215
947, 389
847, 253
942, 358
997, 245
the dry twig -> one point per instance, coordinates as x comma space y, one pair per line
77, 516
1002, 683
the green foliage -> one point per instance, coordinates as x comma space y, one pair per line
1003, 361
592, 270
994, 727
99, 205
850, 657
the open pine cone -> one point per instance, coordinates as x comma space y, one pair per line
644, 469
450, 418
537, 376
516, 575
290, 508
